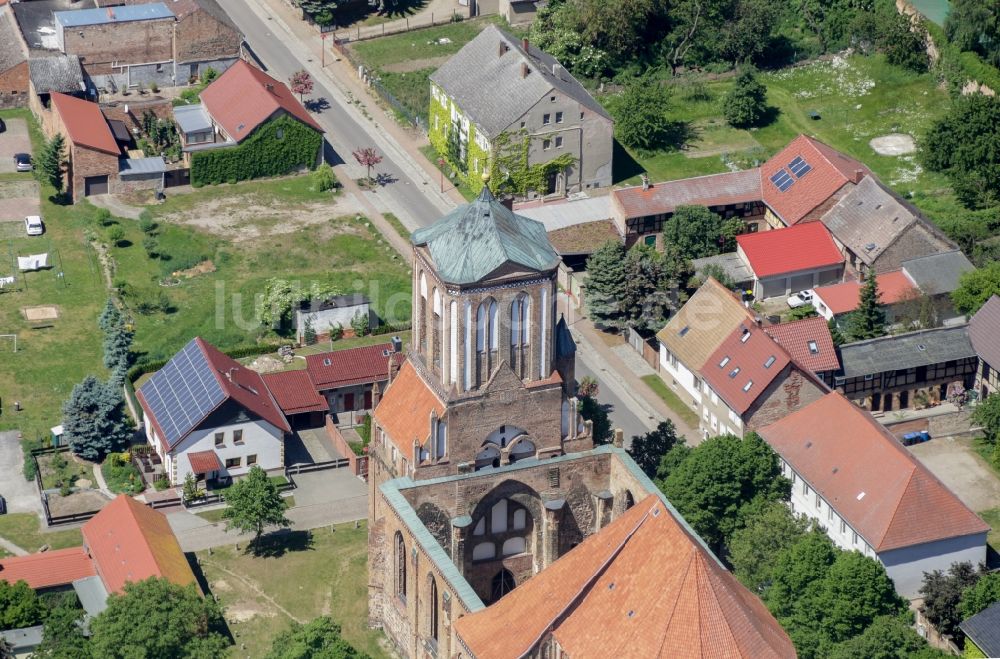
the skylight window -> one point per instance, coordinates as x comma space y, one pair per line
733, 373
747, 386
725, 360
813, 348
684, 330
799, 167
770, 361
745, 337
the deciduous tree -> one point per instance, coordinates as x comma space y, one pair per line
19, 605
254, 504
887, 637
979, 597
965, 144
695, 231
987, 415
62, 636
94, 420
367, 157
942, 592
318, 639
976, 287
301, 83
766, 529
647, 450
641, 120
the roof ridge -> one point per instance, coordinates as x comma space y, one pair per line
677, 596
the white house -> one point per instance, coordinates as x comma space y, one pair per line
209, 415
871, 495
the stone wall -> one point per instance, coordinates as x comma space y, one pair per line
104, 48
14, 86
789, 392
200, 37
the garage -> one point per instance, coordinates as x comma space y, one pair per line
95, 185
790, 260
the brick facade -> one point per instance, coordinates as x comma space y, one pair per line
84, 163
790, 391
14, 86
200, 37
108, 48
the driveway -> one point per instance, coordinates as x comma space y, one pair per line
13, 140
960, 468
21, 494
309, 446
17, 199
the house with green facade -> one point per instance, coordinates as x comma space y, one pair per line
502, 107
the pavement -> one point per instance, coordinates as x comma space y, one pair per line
21, 494
957, 465
13, 140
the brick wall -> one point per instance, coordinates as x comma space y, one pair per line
790, 391
200, 37
86, 162
14, 86
133, 42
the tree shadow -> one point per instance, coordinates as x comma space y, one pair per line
623, 165
122, 244
317, 105
770, 115
384, 179
282, 541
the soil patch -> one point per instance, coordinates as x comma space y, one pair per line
43, 312
18, 199
201, 269
266, 364
894, 144
81, 501
408, 66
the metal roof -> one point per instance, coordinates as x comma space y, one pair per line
938, 273
140, 166
24, 639
730, 263
192, 118
92, 594
119, 14
567, 213
890, 353
983, 629
475, 239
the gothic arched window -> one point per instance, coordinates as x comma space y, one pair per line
400, 565
503, 583
433, 604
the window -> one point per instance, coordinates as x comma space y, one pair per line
747, 386
725, 360
512, 546
819, 502
559, 142
502, 584
159, 68
581, 115
522, 124
234, 463
805, 488
770, 361
559, 116
400, 560
238, 436
552, 99
251, 459
546, 145
546, 119
279, 133
829, 513
433, 605
220, 439
855, 536
484, 551
813, 348
843, 526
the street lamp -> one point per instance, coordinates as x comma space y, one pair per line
441, 164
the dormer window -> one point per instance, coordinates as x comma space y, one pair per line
733, 373
770, 361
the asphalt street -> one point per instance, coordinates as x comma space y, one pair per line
346, 129
621, 415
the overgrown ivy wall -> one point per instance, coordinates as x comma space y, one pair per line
261, 154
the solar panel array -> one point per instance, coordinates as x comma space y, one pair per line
782, 180
182, 393
799, 167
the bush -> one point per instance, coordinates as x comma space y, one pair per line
324, 179
116, 234
745, 105
360, 324
161, 483
103, 217
121, 475
152, 246
146, 222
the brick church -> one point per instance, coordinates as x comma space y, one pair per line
497, 528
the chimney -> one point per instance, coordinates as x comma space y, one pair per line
557, 70
858, 175
397, 344
502, 50
619, 438
645, 182
525, 70
524, 44
508, 202
229, 374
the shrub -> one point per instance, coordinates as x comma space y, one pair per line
103, 217
161, 483
360, 324
152, 246
146, 222
324, 179
336, 332
116, 234
153, 87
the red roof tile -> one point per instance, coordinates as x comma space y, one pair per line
868, 477
831, 170
893, 287
85, 123
48, 569
640, 587
245, 386
203, 462
295, 392
743, 366
404, 412
712, 190
796, 337
351, 366
244, 97
795, 249
130, 541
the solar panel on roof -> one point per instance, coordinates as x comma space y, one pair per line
183, 392
782, 180
799, 167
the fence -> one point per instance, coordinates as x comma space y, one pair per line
649, 351
365, 33
357, 463
210, 499
375, 85
50, 519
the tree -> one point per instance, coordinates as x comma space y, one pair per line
747, 36
942, 593
51, 159
156, 618
648, 450
359, 323
641, 121
650, 279
94, 422
309, 332
301, 83
606, 284
902, 44
367, 157
976, 287
318, 639
718, 478
965, 144
745, 105
766, 529
19, 605
110, 316
695, 231
62, 636
868, 320
274, 306
887, 637
979, 597
254, 504
987, 415
324, 178
798, 574
117, 342
592, 410
856, 591
974, 25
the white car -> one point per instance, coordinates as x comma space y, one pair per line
33, 225
801, 299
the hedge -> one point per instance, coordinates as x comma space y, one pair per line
957, 68
391, 329
264, 153
142, 368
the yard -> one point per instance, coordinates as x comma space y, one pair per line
676, 405
25, 531
317, 573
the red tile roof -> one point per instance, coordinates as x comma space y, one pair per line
295, 392
739, 369
831, 170
795, 249
868, 477
203, 462
245, 386
796, 336
351, 366
711, 190
48, 569
893, 287
130, 541
404, 412
640, 587
244, 97
85, 123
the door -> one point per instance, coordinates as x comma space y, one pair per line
348, 402
550, 182
368, 399
95, 185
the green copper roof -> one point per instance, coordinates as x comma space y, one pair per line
474, 240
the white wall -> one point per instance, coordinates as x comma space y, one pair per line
677, 374
323, 320
260, 438
906, 566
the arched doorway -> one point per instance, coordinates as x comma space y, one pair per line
629, 499
503, 583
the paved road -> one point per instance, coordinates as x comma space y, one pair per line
346, 129
622, 414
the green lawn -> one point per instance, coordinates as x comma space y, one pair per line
456, 182
858, 99
992, 517
660, 388
324, 573
397, 225
52, 355
25, 531
215, 515
122, 477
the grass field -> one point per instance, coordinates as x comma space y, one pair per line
456, 182
660, 388
25, 531
320, 573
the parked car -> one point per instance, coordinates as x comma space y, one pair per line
22, 162
801, 299
33, 225
3, 126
